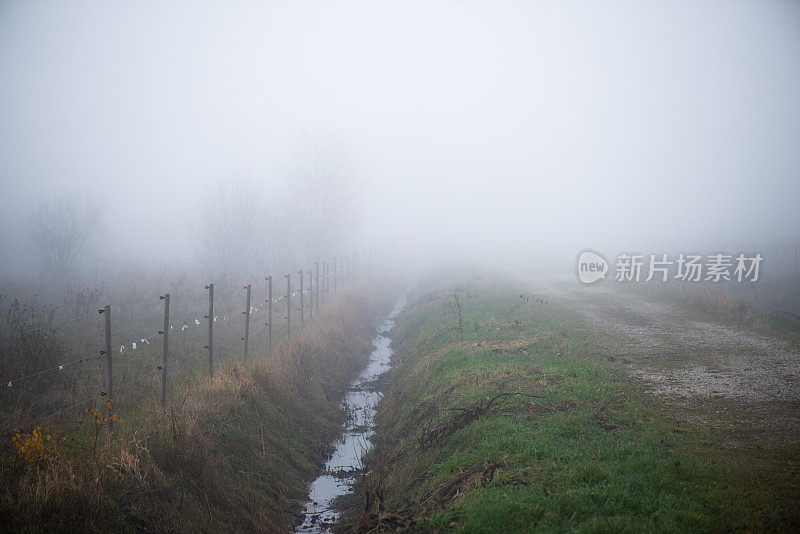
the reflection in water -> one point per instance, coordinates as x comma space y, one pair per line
359, 403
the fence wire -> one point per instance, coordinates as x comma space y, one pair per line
136, 331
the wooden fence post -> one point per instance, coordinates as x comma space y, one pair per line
288, 306
310, 297
324, 275
165, 352
109, 392
316, 288
302, 309
210, 316
246, 337
269, 316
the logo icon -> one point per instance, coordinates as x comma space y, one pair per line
591, 267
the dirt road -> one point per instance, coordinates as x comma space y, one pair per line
742, 383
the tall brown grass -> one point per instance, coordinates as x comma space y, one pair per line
230, 452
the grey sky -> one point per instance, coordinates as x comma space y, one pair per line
474, 126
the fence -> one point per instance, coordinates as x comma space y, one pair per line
111, 362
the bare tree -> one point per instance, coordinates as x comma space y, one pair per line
322, 195
244, 228
236, 230
60, 228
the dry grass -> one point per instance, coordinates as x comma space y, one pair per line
228, 452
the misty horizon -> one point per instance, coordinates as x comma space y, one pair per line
510, 130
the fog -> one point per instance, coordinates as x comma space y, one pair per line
470, 130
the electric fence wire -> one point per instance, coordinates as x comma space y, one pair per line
46, 327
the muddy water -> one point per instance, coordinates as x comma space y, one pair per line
359, 404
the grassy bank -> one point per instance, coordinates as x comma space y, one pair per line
232, 452
522, 426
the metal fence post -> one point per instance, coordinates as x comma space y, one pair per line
165, 352
210, 316
246, 337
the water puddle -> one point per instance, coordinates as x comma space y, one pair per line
359, 403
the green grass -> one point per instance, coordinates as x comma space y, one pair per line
577, 447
